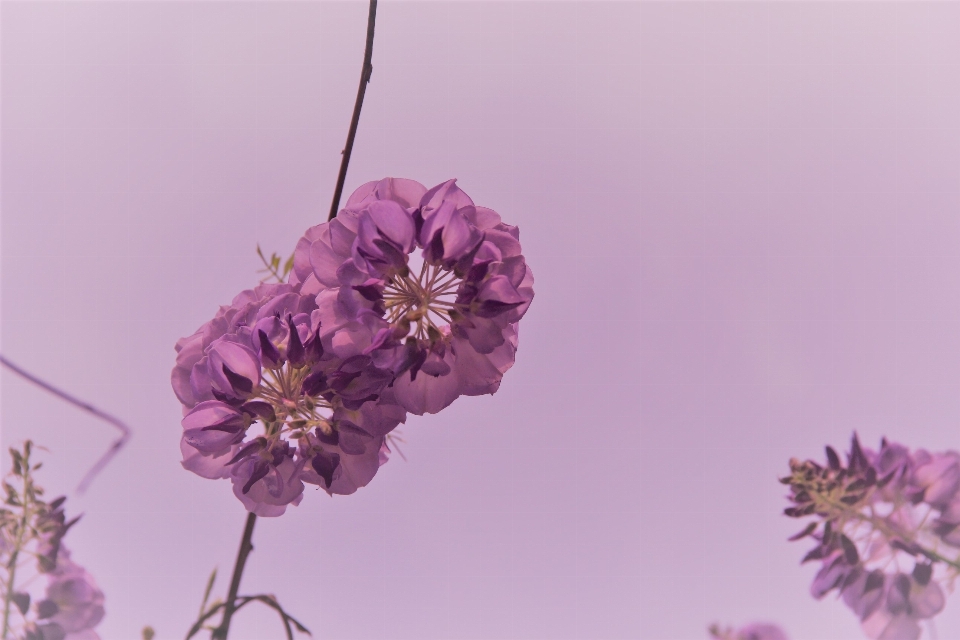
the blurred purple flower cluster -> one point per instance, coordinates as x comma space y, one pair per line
300, 382
887, 531
71, 604
754, 631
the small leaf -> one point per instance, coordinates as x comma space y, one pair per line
17, 462
206, 592
12, 498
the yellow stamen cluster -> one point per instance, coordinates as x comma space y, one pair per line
296, 412
426, 301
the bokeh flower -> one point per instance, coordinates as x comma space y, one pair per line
753, 631
32, 528
73, 603
885, 523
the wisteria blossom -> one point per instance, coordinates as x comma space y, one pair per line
71, 605
887, 532
425, 283
302, 381
269, 404
754, 631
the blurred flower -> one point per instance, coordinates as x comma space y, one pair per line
443, 321
883, 520
72, 604
260, 389
755, 631
73, 601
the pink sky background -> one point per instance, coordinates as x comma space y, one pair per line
744, 221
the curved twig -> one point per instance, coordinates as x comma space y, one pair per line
198, 625
242, 601
271, 602
114, 448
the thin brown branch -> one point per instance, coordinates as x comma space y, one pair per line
365, 74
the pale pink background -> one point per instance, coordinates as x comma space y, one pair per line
744, 220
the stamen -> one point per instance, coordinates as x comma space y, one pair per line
426, 301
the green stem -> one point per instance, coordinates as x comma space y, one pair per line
886, 530
12, 564
220, 633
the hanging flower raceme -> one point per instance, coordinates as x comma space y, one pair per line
269, 404
888, 531
424, 283
71, 605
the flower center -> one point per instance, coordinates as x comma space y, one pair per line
427, 301
296, 412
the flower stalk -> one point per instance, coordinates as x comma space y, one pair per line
246, 546
25, 502
365, 74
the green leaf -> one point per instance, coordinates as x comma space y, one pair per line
12, 498
206, 592
17, 462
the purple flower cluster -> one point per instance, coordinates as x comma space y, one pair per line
425, 283
73, 605
261, 362
890, 531
754, 631
301, 382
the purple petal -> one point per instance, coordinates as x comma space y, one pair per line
226, 355
394, 223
